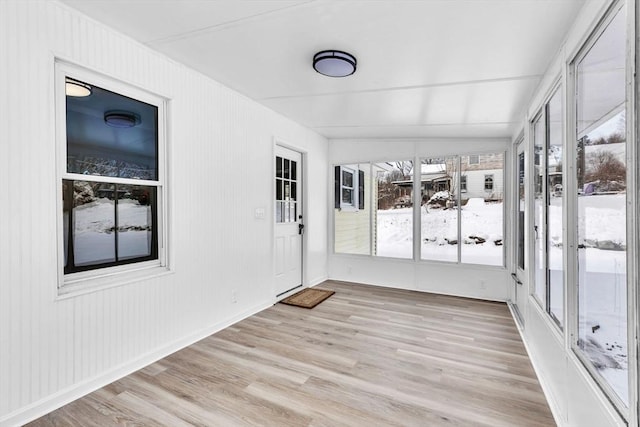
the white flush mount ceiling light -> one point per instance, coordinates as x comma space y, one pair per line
334, 63
77, 89
122, 119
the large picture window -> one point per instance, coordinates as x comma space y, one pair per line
111, 177
373, 209
456, 224
393, 209
439, 211
601, 205
467, 225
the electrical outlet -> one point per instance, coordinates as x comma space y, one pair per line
483, 284
234, 298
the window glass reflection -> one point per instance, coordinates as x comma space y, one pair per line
539, 207
93, 223
135, 221
97, 148
601, 202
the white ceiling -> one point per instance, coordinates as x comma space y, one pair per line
436, 68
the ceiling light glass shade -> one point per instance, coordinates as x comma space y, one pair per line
122, 119
77, 89
334, 63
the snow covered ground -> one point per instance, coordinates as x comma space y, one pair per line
480, 221
440, 233
602, 308
395, 233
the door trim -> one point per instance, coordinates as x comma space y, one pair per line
304, 192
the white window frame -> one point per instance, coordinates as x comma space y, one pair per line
474, 159
627, 410
463, 183
354, 188
101, 278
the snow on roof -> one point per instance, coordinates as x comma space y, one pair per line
434, 168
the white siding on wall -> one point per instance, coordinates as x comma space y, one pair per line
220, 149
475, 184
353, 226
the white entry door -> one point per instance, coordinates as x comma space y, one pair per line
289, 227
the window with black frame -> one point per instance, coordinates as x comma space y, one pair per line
111, 181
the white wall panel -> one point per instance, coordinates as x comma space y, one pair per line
220, 148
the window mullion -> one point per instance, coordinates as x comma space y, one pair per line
115, 221
456, 178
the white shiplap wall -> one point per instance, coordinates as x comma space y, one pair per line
220, 152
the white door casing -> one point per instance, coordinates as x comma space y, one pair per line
288, 216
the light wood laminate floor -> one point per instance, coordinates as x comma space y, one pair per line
367, 356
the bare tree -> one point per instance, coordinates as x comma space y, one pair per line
606, 169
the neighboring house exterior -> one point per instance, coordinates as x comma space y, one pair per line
482, 176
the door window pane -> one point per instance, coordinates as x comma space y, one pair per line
601, 200
286, 190
286, 169
394, 212
439, 210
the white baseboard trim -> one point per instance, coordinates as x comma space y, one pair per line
317, 281
427, 291
76, 391
551, 400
